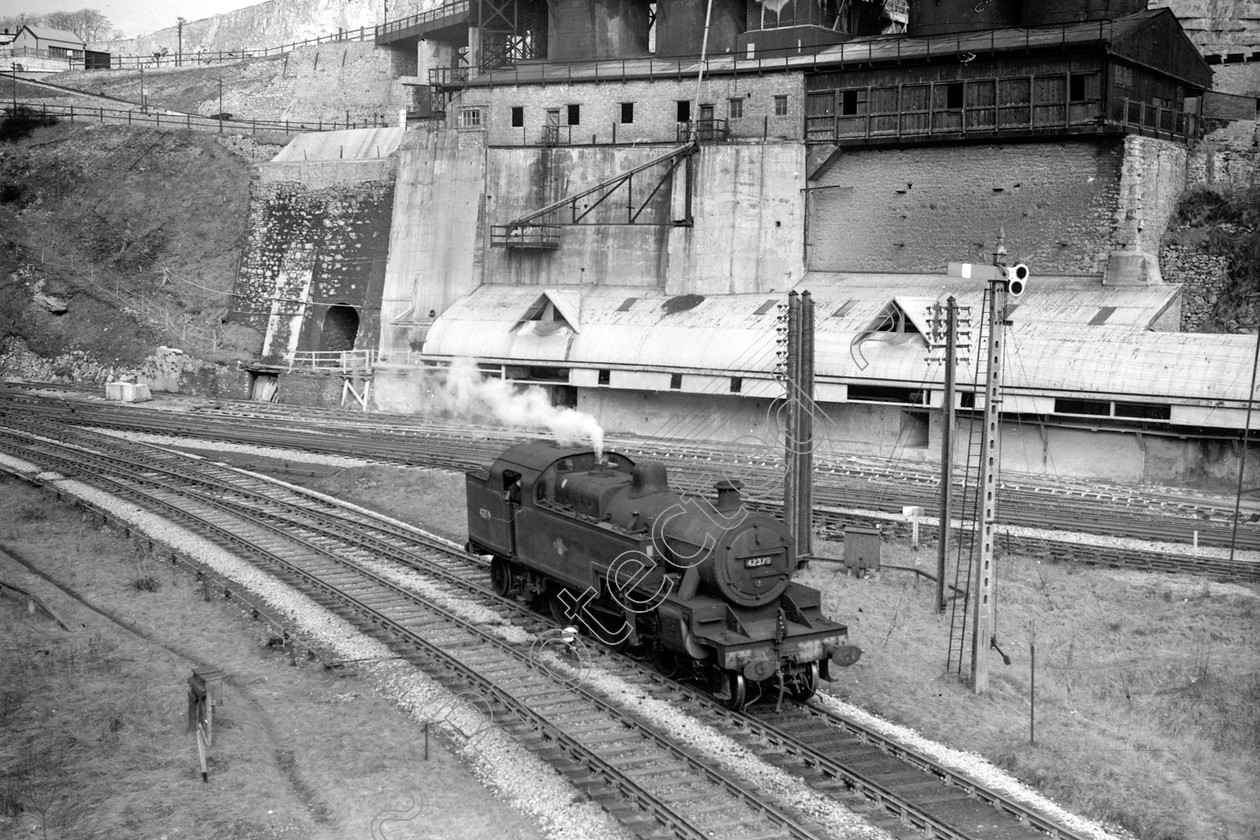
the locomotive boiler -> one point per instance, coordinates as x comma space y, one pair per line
701, 584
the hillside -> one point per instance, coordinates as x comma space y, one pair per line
334, 82
115, 240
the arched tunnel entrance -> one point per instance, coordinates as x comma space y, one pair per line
341, 327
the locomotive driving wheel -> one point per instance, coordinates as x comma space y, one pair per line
738, 690
501, 576
556, 604
805, 683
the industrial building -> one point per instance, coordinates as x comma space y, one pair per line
612, 199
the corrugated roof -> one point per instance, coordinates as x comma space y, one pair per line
1051, 346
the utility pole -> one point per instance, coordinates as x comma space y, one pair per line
949, 315
798, 434
179, 49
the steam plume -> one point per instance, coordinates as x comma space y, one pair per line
463, 393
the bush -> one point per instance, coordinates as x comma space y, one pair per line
32, 512
20, 121
147, 583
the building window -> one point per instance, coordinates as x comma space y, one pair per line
1082, 87
675, 382
737, 384
627, 113
780, 106
736, 108
518, 116
853, 102
684, 110
470, 118
605, 376
954, 95
575, 115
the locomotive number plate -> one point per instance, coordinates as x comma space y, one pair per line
755, 562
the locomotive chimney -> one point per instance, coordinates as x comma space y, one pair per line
728, 498
646, 478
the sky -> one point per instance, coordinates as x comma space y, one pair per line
133, 17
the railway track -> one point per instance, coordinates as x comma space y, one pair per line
847, 491
654, 786
351, 562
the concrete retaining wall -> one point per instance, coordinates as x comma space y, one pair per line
749, 210
435, 248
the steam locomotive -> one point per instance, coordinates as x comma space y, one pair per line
702, 585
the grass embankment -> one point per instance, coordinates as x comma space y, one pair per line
1147, 705
93, 738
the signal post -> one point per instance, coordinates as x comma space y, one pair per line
1003, 283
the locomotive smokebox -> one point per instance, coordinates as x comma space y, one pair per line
728, 497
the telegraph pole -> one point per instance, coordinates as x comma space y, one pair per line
798, 433
947, 447
945, 332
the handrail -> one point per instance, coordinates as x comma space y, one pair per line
174, 119
339, 360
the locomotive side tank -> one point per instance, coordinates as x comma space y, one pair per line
703, 584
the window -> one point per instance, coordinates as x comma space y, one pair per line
684, 110
1082, 87
605, 376
736, 108
575, 115
518, 116
675, 382
737, 384
852, 102
470, 118
1094, 408
1144, 411
954, 95
627, 113
780, 106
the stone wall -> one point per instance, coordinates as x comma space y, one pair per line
310, 248
166, 370
1204, 278
1228, 157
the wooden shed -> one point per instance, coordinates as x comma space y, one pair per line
45, 42
1130, 75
